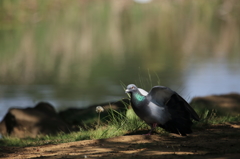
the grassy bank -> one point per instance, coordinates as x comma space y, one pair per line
117, 126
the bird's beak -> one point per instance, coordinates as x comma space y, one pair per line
127, 91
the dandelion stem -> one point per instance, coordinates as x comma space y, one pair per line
98, 119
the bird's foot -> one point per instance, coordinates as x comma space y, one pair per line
154, 125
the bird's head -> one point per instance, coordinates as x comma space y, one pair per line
131, 88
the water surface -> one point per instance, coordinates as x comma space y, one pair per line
77, 53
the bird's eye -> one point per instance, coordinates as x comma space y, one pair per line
132, 87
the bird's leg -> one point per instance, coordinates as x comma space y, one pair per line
153, 126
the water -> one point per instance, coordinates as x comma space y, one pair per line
75, 54
213, 77
199, 79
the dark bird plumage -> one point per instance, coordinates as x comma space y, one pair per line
162, 107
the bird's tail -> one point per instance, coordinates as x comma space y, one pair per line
181, 127
180, 122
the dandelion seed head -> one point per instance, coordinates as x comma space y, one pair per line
99, 109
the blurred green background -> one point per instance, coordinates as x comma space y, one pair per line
78, 52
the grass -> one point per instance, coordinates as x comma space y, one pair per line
117, 125
211, 117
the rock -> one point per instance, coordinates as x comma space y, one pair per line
82, 116
226, 102
30, 122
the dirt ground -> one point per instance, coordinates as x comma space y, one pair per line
217, 142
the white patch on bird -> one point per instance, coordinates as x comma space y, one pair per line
143, 92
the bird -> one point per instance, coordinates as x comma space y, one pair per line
162, 107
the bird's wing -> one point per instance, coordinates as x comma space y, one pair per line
180, 122
162, 95
192, 112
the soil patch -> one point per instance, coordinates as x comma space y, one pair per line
218, 142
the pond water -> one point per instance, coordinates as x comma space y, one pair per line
79, 53
199, 78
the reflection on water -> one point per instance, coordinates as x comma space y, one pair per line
199, 79
78, 53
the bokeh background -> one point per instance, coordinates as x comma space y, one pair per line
74, 53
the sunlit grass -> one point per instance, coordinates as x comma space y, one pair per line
117, 125
214, 116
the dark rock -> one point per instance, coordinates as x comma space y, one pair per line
226, 102
83, 116
30, 122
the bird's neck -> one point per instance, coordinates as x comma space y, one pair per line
138, 97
